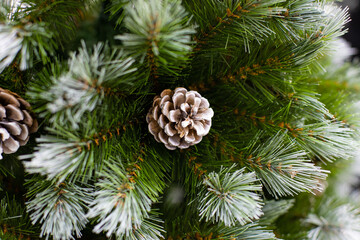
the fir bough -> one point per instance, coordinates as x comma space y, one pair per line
94, 166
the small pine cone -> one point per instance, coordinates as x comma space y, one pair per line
179, 118
16, 122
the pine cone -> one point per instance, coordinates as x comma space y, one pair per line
16, 122
179, 118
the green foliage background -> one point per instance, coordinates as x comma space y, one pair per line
285, 126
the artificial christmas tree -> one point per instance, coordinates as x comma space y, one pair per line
252, 145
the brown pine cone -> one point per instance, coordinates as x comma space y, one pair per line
16, 122
179, 118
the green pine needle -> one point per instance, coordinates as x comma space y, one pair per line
229, 197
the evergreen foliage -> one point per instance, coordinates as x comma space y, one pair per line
231, 197
284, 120
14, 219
58, 208
159, 32
338, 220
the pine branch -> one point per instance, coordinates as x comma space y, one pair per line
283, 170
129, 183
271, 70
273, 210
28, 29
274, 63
327, 140
5, 235
70, 155
120, 205
339, 91
62, 157
306, 120
30, 42
159, 35
255, 60
229, 197
14, 219
71, 164
150, 229
63, 16
12, 10
239, 23
89, 90
334, 220
251, 231
59, 208
308, 105
116, 9
92, 76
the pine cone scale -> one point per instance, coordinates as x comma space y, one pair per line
10, 145
24, 132
163, 137
2, 112
174, 115
154, 128
163, 121
4, 134
157, 100
204, 103
174, 140
168, 106
170, 130
185, 107
165, 93
24, 103
28, 120
12, 127
34, 126
178, 99
164, 100
14, 113
205, 115
190, 137
8, 99
156, 112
